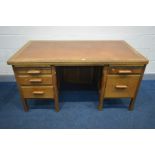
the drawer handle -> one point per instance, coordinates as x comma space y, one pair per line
38, 92
121, 86
35, 80
124, 71
34, 72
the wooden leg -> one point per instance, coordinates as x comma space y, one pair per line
102, 87
56, 100
25, 105
100, 106
132, 101
131, 105
56, 104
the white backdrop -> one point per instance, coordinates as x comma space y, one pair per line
12, 38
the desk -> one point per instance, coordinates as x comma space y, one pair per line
35, 65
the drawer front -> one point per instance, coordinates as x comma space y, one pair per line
126, 69
32, 70
37, 80
37, 91
121, 85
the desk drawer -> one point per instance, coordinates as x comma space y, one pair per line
37, 91
126, 69
37, 80
33, 70
121, 85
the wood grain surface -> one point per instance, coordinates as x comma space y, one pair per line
77, 52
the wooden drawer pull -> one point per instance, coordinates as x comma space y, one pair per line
121, 86
38, 92
35, 80
34, 72
124, 71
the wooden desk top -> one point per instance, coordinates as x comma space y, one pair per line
77, 53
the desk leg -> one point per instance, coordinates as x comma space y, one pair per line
56, 104
24, 101
131, 105
132, 101
100, 105
102, 87
25, 105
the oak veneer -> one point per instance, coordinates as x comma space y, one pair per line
37, 91
126, 69
33, 70
121, 86
35, 80
37, 60
77, 53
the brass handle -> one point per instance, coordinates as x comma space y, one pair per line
38, 92
34, 72
121, 86
35, 80
124, 71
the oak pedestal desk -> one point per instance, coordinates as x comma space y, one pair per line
34, 65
